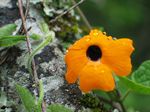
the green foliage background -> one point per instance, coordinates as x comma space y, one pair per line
125, 18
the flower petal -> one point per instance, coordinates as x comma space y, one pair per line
73, 60
116, 55
81, 44
71, 77
96, 76
95, 37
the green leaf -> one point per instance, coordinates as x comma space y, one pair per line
6, 41
44, 27
140, 79
35, 36
27, 99
41, 96
8, 29
142, 74
58, 108
48, 39
136, 87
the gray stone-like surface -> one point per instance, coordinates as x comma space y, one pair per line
51, 69
49, 64
5, 3
8, 12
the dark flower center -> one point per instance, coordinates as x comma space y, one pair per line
94, 53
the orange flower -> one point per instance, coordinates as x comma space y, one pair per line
95, 57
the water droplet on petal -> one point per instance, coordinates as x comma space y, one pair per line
95, 34
104, 33
114, 38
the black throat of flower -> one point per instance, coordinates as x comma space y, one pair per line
94, 53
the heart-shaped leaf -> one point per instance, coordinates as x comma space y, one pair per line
140, 81
142, 74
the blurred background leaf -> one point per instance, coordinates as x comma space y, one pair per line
123, 18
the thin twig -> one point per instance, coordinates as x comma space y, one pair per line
27, 8
83, 16
115, 97
27, 39
26, 14
24, 24
43, 107
65, 12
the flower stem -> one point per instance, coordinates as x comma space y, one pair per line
122, 106
115, 97
125, 95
